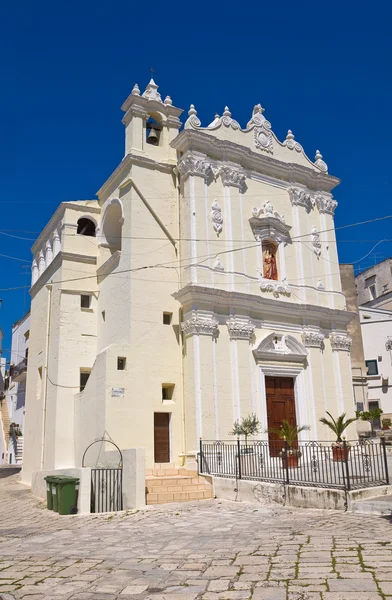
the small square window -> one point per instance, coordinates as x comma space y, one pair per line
167, 391
167, 318
121, 362
84, 375
85, 301
372, 367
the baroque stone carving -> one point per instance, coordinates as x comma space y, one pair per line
341, 342
200, 325
320, 163
151, 92
278, 346
193, 165
312, 339
217, 218
290, 143
233, 177
192, 122
326, 204
388, 344
316, 243
218, 265
268, 224
267, 211
301, 197
240, 330
276, 287
320, 285
225, 120
262, 130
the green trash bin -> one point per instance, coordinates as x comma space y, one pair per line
55, 494
49, 497
67, 495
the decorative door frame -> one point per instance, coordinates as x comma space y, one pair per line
297, 373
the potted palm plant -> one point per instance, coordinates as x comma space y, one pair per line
340, 451
289, 433
249, 425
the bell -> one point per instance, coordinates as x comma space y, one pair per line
152, 137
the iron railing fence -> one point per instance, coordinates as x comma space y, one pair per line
349, 466
106, 489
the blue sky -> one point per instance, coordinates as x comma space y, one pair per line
322, 69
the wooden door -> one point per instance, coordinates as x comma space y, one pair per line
280, 406
162, 437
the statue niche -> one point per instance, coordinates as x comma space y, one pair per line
270, 267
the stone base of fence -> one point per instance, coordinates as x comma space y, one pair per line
265, 493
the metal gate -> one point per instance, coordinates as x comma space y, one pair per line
106, 490
106, 481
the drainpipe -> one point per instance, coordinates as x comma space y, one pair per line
45, 374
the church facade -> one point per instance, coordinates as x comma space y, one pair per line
201, 287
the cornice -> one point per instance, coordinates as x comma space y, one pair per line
55, 264
225, 150
128, 161
56, 218
265, 307
109, 264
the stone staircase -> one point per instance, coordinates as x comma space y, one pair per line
19, 450
167, 483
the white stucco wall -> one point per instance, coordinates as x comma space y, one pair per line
376, 327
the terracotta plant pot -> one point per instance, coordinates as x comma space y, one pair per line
339, 453
291, 461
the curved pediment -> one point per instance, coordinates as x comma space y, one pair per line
277, 346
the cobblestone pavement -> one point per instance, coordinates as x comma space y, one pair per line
207, 550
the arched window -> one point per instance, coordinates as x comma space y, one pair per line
153, 129
112, 225
270, 264
86, 227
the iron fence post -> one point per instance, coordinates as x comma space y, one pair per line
200, 465
239, 457
384, 452
345, 454
286, 454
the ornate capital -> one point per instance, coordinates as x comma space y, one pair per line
326, 204
233, 177
240, 330
312, 339
388, 344
301, 197
200, 325
191, 164
341, 342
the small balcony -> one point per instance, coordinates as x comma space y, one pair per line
18, 372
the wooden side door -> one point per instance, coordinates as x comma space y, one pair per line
162, 437
280, 407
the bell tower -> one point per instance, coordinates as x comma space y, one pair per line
150, 123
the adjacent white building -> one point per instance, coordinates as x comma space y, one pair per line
376, 326
13, 405
199, 288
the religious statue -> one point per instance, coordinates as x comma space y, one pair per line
270, 270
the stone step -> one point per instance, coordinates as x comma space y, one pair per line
379, 505
170, 472
180, 488
167, 497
